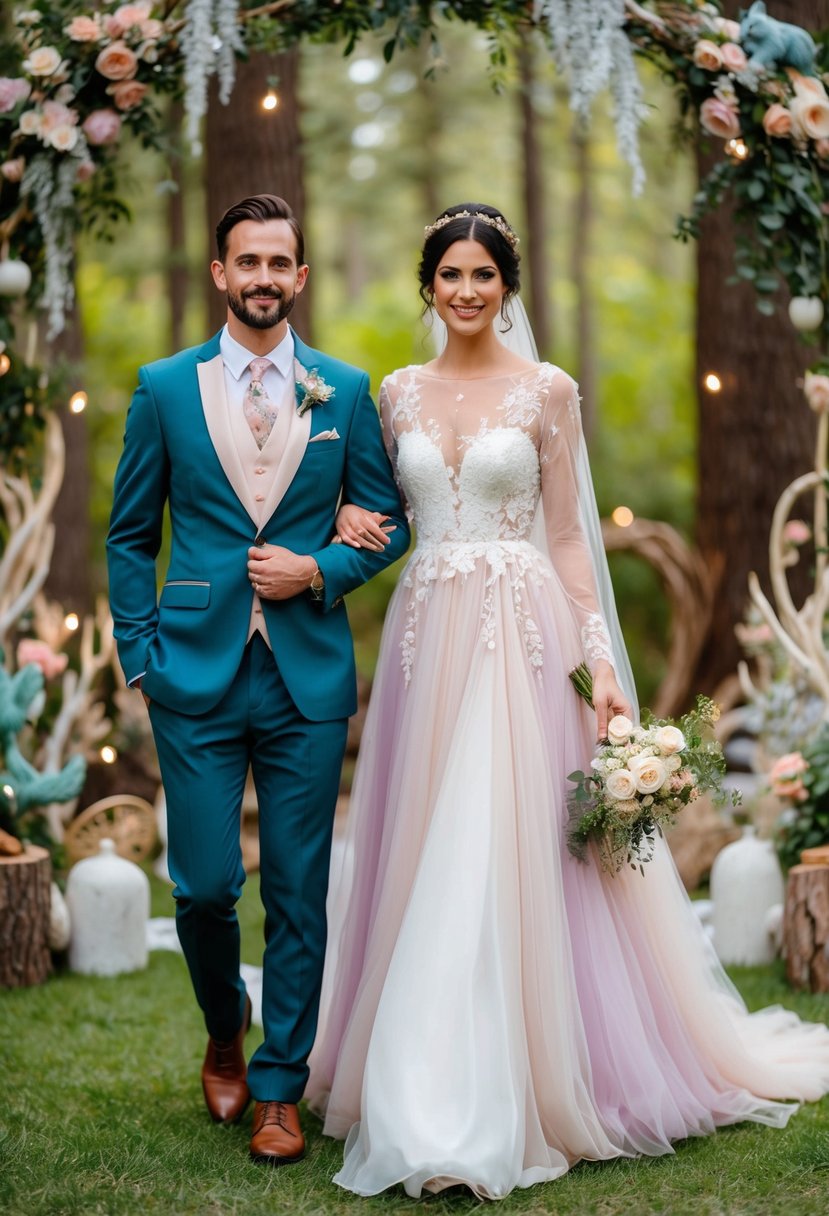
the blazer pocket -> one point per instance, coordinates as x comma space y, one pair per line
185, 593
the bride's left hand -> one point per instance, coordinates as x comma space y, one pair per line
608, 699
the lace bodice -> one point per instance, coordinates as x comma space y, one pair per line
474, 459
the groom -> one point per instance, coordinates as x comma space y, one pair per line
245, 658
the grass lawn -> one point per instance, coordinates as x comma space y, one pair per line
101, 1112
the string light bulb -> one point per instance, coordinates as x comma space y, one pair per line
5, 363
108, 754
71, 621
737, 148
78, 402
622, 517
712, 382
270, 101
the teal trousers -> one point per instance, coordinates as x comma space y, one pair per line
296, 765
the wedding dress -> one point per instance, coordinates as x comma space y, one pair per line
494, 1010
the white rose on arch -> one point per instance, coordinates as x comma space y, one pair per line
621, 785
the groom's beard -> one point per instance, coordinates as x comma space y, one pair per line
258, 319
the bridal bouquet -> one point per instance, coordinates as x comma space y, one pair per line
640, 780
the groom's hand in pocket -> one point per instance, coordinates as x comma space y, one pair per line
276, 573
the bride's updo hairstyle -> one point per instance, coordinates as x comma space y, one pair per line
470, 222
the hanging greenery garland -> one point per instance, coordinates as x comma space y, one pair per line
74, 84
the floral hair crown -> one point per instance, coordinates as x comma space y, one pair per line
494, 221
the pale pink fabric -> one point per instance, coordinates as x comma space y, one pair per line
493, 1010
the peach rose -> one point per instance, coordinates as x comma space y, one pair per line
152, 29
707, 55
719, 119
822, 148
12, 169
117, 62
132, 14
102, 127
56, 115
30, 650
43, 61
12, 90
810, 116
727, 29
786, 777
127, 94
619, 730
31, 122
621, 784
733, 57
669, 739
84, 29
816, 390
62, 138
806, 86
649, 772
777, 121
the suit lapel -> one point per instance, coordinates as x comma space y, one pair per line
214, 403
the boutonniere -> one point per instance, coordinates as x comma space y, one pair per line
311, 389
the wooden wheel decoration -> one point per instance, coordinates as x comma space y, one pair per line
127, 820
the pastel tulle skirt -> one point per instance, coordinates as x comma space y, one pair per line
494, 1010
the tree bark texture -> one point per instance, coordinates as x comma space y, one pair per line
757, 434
806, 928
255, 151
25, 900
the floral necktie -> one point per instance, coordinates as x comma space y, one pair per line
259, 409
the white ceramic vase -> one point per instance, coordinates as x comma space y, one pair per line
746, 885
109, 904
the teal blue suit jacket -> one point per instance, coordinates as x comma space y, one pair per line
189, 641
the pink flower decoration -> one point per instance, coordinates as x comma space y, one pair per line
12, 170
32, 651
127, 94
719, 119
708, 55
816, 390
102, 127
117, 62
84, 29
733, 57
12, 90
85, 170
797, 532
777, 121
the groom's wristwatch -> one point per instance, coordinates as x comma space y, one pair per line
317, 586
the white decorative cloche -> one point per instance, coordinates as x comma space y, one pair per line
806, 312
15, 277
746, 885
109, 903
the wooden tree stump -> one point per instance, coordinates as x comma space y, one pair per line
806, 928
25, 899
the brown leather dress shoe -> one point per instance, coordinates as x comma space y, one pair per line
224, 1075
277, 1135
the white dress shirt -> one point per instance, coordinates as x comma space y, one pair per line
236, 359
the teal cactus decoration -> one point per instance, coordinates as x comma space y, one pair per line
772, 43
23, 788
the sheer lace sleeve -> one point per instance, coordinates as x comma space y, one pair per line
570, 553
386, 403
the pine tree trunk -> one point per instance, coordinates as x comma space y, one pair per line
806, 928
757, 434
25, 899
251, 150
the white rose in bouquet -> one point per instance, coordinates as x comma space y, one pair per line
673, 763
619, 730
649, 772
669, 739
621, 784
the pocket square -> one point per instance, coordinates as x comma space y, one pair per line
324, 435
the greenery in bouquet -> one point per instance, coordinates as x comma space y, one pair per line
640, 780
801, 780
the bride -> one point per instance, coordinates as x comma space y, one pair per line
494, 1010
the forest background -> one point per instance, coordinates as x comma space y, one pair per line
385, 146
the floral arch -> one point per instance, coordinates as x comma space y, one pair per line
76, 78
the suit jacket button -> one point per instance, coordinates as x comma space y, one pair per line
260, 541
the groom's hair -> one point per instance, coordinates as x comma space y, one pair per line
259, 207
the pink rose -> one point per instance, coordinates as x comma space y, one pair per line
125, 17
30, 650
152, 29
127, 94
707, 55
810, 116
85, 170
727, 29
719, 119
786, 777
62, 138
12, 90
733, 57
816, 390
777, 121
117, 62
102, 127
12, 170
797, 532
56, 115
43, 61
84, 29
806, 86
822, 148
